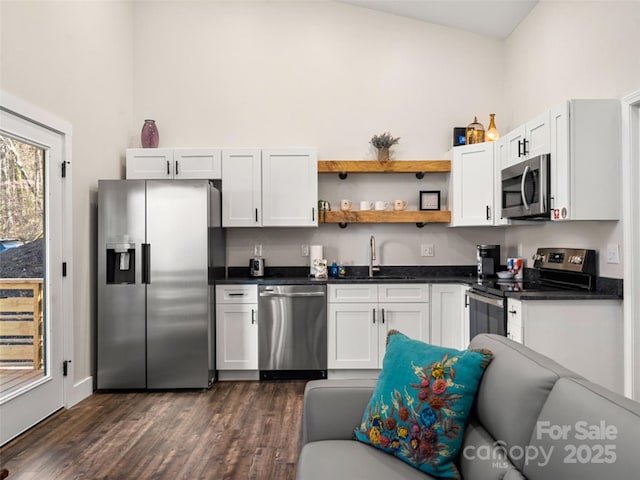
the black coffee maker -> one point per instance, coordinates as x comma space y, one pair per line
488, 257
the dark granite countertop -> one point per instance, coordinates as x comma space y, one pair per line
607, 288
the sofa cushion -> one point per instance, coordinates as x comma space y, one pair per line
585, 432
322, 420
513, 391
484, 457
421, 402
349, 460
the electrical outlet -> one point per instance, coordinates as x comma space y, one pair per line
427, 250
613, 253
257, 250
304, 250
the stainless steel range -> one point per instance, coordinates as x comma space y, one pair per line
553, 269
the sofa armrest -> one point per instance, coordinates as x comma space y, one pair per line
332, 409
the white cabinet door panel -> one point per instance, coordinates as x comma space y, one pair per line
403, 292
473, 176
353, 293
197, 163
352, 336
448, 316
236, 337
538, 135
290, 187
150, 163
411, 319
241, 188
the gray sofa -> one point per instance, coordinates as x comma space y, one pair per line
532, 418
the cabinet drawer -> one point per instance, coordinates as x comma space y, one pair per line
353, 293
236, 294
415, 292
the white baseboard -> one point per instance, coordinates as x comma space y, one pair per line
80, 390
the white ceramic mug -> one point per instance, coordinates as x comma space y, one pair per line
345, 205
366, 205
399, 204
381, 205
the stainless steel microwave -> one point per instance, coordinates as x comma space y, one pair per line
525, 189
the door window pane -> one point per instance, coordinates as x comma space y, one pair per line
22, 264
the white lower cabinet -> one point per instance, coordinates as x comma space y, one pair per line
236, 327
449, 322
585, 336
360, 315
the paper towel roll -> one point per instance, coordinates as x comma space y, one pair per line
315, 253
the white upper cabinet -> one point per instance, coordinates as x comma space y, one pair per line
197, 163
242, 187
290, 187
472, 178
528, 140
586, 160
150, 163
275, 187
170, 163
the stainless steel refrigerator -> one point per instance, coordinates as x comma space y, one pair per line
160, 246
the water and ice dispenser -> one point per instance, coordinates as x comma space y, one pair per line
121, 263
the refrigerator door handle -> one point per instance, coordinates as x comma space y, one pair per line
146, 263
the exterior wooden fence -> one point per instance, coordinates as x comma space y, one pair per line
21, 322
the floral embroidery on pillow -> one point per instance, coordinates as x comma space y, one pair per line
418, 411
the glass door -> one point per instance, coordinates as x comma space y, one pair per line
31, 386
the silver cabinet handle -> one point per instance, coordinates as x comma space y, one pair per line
374, 315
253, 316
383, 315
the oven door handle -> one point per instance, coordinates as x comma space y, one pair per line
522, 182
498, 302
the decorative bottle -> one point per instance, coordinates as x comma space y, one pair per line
149, 136
492, 132
474, 132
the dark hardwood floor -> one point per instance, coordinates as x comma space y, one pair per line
235, 430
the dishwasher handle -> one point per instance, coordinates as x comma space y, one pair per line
291, 294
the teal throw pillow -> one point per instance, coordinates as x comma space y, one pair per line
421, 402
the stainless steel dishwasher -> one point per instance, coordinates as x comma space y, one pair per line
292, 332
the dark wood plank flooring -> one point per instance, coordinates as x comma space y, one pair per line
235, 430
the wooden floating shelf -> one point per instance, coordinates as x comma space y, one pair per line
392, 166
374, 216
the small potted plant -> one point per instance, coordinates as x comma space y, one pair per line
383, 143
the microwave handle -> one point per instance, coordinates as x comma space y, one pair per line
524, 178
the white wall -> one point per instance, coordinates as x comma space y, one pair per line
568, 50
74, 60
322, 74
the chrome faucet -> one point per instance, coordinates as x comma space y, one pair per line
372, 256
